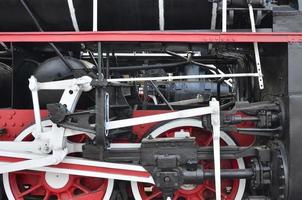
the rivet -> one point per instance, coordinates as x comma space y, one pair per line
13, 124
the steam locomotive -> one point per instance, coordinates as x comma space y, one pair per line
146, 118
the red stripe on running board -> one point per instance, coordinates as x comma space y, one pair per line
124, 172
11, 159
150, 36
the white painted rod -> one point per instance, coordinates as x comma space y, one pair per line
224, 15
73, 15
95, 15
161, 12
183, 77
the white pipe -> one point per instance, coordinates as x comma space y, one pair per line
224, 15
95, 15
73, 15
252, 18
213, 20
161, 12
214, 16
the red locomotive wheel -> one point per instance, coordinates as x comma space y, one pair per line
50, 186
28, 184
230, 189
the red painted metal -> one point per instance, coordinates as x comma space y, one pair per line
77, 187
150, 36
15, 120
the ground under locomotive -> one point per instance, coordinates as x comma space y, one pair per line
151, 119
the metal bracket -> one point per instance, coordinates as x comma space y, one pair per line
256, 48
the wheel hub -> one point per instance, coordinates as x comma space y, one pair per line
56, 180
188, 186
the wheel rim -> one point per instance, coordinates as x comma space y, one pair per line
28, 184
231, 189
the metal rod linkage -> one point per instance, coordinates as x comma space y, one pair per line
207, 76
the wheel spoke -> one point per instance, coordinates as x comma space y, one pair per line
192, 197
82, 188
212, 189
176, 196
156, 194
65, 195
224, 195
200, 195
30, 190
47, 195
206, 164
208, 141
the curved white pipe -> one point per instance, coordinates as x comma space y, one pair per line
73, 15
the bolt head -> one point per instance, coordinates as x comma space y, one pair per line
167, 179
